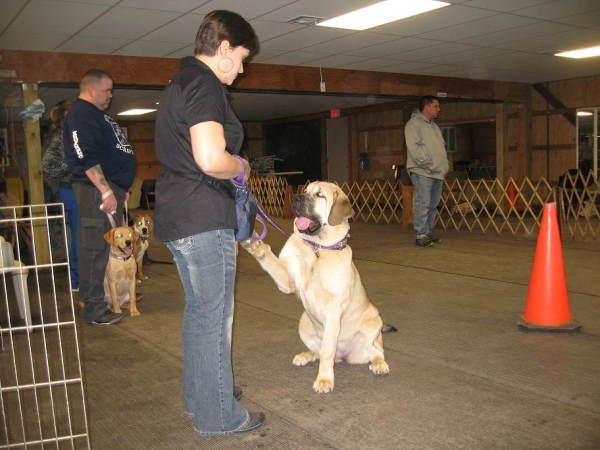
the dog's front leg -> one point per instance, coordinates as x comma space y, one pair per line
113, 296
332, 323
133, 311
271, 264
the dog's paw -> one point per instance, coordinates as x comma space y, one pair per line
142, 277
323, 385
302, 359
138, 281
379, 367
134, 313
255, 248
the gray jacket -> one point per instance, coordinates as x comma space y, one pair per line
426, 149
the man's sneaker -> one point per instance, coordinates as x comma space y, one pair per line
108, 318
434, 239
424, 242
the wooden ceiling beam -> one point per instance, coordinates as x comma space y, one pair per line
34, 67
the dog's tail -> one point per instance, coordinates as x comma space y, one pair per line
388, 329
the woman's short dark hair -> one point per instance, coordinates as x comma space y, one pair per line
427, 100
219, 26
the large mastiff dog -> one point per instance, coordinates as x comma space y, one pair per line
339, 323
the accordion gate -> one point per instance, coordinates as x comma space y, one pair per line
42, 401
484, 205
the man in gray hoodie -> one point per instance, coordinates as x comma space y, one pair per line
427, 164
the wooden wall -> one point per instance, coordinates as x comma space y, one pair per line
553, 133
538, 139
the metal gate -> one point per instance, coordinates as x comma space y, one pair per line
42, 402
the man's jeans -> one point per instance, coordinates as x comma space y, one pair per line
206, 264
92, 249
428, 192
67, 196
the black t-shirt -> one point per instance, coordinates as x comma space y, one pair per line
184, 206
92, 137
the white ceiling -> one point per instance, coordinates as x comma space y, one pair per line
505, 40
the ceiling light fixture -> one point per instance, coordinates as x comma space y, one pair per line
581, 53
136, 112
381, 13
584, 113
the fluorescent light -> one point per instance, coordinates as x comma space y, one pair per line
381, 13
584, 113
581, 53
136, 112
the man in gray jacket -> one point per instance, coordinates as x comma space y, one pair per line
427, 164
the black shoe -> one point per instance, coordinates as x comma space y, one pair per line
423, 242
108, 318
256, 420
433, 239
237, 393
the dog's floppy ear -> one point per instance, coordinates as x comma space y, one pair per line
109, 236
341, 209
136, 235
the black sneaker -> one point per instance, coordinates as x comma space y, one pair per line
433, 239
423, 242
237, 393
255, 420
108, 318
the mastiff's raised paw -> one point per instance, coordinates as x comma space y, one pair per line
255, 247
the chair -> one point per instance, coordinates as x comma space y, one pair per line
148, 193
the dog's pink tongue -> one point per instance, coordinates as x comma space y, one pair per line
302, 223
127, 251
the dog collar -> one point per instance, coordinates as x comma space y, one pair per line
122, 258
317, 247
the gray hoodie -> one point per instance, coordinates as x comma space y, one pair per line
426, 153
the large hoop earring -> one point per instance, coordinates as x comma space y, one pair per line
225, 59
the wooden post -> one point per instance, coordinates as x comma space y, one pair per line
35, 178
523, 142
502, 146
407, 206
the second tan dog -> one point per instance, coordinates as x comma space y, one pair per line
143, 224
119, 278
339, 322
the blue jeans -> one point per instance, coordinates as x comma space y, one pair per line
428, 192
67, 197
206, 264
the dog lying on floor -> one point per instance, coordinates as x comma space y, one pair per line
339, 323
119, 278
143, 224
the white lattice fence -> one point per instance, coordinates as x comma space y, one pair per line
487, 205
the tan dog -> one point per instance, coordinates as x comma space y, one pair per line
119, 278
339, 322
143, 224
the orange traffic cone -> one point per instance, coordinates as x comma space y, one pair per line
547, 305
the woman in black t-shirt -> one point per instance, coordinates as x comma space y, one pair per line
197, 141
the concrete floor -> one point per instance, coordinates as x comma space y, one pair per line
462, 373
